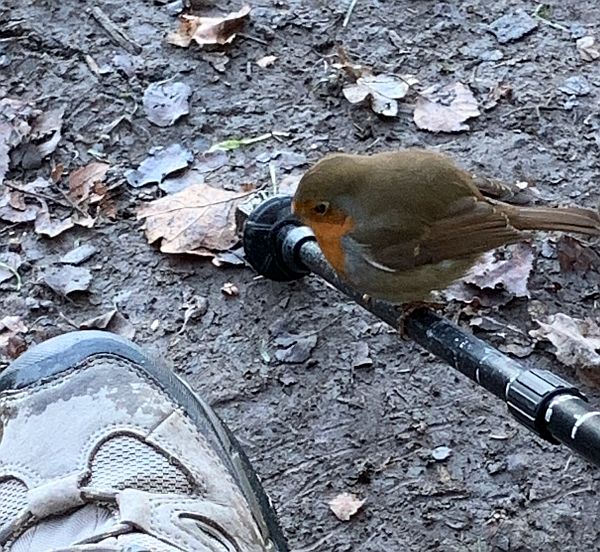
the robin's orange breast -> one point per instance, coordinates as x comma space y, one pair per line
329, 234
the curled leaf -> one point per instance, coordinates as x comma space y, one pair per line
209, 30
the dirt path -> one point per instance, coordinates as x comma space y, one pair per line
320, 427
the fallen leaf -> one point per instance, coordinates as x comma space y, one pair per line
195, 308
345, 505
113, 321
230, 289
218, 60
15, 126
165, 102
445, 108
573, 256
235, 143
25, 212
294, 349
199, 220
57, 172
175, 184
230, 258
495, 280
381, 90
68, 279
45, 132
11, 344
209, 30
51, 227
83, 182
160, 163
9, 265
576, 342
512, 26
265, 61
79, 254
361, 357
587, 48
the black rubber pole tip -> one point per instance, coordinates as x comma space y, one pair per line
263, 238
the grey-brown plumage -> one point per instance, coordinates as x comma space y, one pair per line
399, 225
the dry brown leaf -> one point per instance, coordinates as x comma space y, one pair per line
113, 321
446, 108
83, 181
265, 61
199, 220
345, 505
208, 30
574, 256
577, 342
587, 48
11, 328
495, 281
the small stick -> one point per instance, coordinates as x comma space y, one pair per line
254, 38
118, 35
349, 13
37, 195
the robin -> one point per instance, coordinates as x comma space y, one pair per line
400, 225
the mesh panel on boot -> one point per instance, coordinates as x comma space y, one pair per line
13, 499
126, 462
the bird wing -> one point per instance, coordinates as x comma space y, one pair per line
469, 228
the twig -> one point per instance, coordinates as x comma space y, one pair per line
543, 19
254, 38
14, 272
349, 13
272, 172
37, 195
118, 35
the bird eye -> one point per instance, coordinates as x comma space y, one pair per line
321, 208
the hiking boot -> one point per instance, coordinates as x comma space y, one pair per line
104, 449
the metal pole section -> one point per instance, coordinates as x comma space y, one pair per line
278, 248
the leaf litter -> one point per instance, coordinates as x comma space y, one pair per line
576, 343
209, 30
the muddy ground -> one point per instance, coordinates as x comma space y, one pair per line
322, 427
